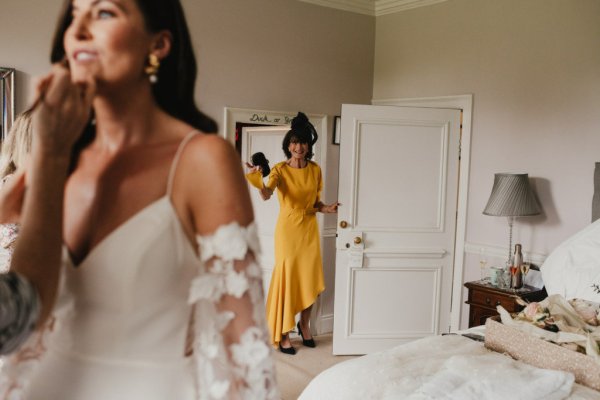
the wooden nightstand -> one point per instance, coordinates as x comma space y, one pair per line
483, 299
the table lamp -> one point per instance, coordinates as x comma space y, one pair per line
511, 197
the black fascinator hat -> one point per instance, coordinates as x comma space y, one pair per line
302, 132
301, 125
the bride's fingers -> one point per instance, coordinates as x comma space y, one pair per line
41, 86
42, 83
59, 87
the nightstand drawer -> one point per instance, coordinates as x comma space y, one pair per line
491, 300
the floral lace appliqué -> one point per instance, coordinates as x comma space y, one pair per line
231, 345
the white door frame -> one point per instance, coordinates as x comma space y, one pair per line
464, 103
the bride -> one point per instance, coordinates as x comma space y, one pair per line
160, 296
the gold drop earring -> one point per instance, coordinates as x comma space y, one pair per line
152, 68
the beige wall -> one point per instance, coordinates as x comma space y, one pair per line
281, 54
533, 68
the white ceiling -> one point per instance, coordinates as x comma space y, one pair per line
373, 7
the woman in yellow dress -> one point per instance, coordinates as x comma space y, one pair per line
297, 278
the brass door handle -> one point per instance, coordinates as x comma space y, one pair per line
357, 240
343, 224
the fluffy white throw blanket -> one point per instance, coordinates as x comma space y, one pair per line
442, 367
493, 377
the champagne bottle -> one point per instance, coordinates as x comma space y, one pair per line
516, 281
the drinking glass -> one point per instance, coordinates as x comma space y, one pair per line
525, 268
482, 264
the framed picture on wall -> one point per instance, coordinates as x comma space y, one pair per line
337, 129
7, 100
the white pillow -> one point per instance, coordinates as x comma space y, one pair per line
574, 266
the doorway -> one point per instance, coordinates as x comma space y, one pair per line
322, 315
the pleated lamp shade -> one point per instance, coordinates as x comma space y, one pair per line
511, 196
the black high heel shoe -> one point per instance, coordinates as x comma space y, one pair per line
306, 342
287, 350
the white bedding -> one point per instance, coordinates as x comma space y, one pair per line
574, 266
442, 367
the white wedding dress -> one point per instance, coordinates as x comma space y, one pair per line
125, 314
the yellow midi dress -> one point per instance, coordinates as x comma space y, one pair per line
297, 276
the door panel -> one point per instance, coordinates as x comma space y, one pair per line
395, 287
420, 147
398, 187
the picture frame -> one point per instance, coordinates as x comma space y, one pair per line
7, 100
337, 130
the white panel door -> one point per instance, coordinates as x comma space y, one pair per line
268, 141
398, 186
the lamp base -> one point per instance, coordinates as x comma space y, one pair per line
511, 221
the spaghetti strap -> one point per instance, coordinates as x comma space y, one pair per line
185, 140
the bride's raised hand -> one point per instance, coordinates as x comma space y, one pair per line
61, 110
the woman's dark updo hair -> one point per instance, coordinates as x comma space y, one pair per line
174, 91
302, 132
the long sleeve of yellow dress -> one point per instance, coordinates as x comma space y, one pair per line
255, 178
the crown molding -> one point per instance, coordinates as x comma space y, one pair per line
373, 7
366, 7
383, 7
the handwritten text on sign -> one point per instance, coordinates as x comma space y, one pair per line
270, 119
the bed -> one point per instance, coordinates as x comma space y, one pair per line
449, 367
455, 367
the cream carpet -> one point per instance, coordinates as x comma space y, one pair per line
295, 372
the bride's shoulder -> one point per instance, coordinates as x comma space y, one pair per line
205, 148
197, 147
207, 159
211, 181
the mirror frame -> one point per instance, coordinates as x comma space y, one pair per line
7, 100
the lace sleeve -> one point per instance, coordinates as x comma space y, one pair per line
233, 357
